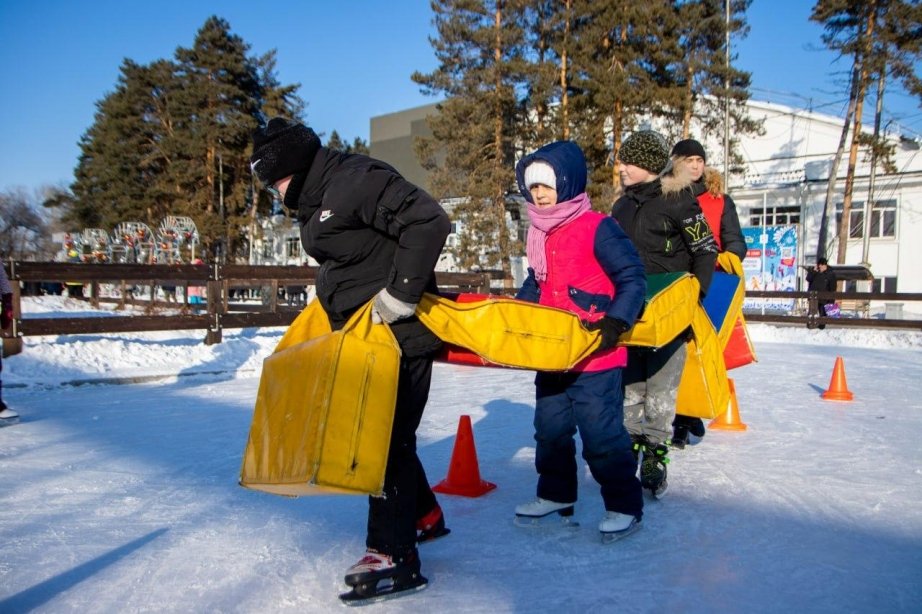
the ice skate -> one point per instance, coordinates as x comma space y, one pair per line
540, 512
615, 526
679, 436
431, 526
653, 469
377, 577
7, 415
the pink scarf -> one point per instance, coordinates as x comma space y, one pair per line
543, 221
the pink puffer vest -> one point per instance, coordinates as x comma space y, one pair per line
573, 271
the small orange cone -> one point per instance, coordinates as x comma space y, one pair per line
730, 419
838, 388
463, 472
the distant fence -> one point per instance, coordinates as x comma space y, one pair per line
856, 307
223, 285
280, 298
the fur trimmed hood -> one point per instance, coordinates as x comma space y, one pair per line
676, 179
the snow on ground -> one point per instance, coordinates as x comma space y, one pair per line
124, 498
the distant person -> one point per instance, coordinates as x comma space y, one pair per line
7, 415
822, 279
196, 294
74, 288
720, 212
377, 237
660, 214
582, 261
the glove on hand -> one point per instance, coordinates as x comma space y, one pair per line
612, 329
388, 309
6, 314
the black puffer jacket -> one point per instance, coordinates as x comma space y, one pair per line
665, 222
369, 228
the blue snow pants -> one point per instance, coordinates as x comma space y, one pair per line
593, 403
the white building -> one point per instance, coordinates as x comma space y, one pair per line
783, 181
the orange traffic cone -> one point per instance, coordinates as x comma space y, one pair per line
463, 472
838, 389
730, 419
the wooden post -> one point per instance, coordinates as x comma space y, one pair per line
217, 306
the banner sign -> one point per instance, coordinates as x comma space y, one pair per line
770, 265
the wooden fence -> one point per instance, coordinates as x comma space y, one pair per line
223, 284
219, 311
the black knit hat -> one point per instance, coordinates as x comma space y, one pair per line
689, 148
646, 149
281, 149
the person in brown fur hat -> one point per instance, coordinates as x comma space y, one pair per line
660, 214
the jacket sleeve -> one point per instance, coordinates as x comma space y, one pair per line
415, 220
619, 259
731, 235
529, 290
699, 241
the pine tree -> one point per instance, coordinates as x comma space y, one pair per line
709, 82
124, 153
849, 28
622, 55
174, 138
472, 151
220, 110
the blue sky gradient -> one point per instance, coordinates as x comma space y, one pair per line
353, 60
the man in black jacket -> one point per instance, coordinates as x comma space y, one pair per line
376, 236
658, 211
822, 279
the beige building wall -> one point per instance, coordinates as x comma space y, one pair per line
392, 137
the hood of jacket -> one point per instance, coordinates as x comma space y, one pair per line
569, 164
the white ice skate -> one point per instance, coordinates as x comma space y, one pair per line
615, 526
8, 417
538, 513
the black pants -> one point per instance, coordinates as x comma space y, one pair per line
407, 496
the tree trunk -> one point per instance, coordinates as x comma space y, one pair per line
564, 95
689, 101
856, 134
834, 170
499, 198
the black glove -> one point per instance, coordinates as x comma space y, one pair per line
612, 329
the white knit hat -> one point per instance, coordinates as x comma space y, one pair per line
540, 172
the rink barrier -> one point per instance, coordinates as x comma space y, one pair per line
282, 291
278, 306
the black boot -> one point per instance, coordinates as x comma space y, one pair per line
431, 526
378, 576
653, 469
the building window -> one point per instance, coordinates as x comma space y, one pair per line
293, 247
774, 216
883, 284
883, 219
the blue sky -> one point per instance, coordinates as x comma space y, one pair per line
353, 60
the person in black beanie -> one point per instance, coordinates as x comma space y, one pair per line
708, 186
376, 237
822, 279
662, 217
720, 212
